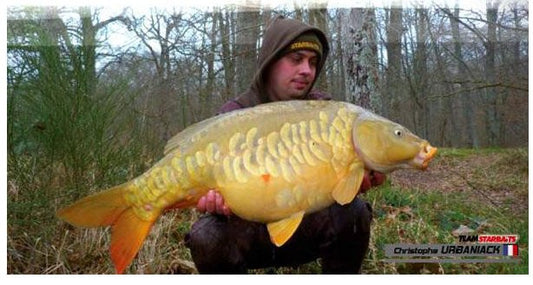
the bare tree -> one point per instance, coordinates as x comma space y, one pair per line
392, 95
420, 86
226, 25
156, 32
335, 64
492, 99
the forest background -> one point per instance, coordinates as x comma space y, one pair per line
93, 94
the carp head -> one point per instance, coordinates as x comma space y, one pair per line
385, 146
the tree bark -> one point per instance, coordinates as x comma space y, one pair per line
393, 74
470, 135
361, 58
227, 55
421, 108
492, 98
318, 18
88, 31
246, 46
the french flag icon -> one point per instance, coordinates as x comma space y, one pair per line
510, 250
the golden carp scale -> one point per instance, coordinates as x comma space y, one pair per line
278, 157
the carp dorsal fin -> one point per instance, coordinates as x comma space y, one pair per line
187, 135
347, 188
281, 231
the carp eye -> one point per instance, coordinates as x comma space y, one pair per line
398, 133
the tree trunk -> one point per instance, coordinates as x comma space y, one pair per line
88, 50
227, 55
210, 88
421, 111
393, 74
337, 79
246, 46
361, 58
467, 100
492, 98
318, 18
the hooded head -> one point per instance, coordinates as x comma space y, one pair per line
306, 41
283, 36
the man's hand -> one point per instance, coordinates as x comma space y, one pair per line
214, 203
371, 179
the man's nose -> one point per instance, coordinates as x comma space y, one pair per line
306, 68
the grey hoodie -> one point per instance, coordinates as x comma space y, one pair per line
278, 35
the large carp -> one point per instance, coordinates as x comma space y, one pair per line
272, 164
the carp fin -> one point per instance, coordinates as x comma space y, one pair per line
348, 187
185, 137
127, 236
281, 231
97, 210
109, 208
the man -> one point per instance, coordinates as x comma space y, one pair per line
290, 60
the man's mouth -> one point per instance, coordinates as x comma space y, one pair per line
301, 84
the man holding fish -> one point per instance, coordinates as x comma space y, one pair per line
288, 170
291, 58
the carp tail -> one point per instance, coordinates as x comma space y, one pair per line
109, 208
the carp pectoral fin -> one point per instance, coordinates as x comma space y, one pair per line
281, 231
347, 188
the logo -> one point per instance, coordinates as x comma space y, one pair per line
510, 250
305, 45
470, 249
489, 238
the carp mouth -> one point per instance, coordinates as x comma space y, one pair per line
426, 154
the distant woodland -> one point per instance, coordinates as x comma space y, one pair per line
87, 79
93, 95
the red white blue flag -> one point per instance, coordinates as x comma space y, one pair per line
510, 250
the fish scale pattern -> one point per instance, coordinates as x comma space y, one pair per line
278, 154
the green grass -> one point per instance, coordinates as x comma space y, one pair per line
415, 217
465, 152
39, 243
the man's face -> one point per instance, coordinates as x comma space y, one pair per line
292, 75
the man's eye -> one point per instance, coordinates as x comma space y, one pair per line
296, 58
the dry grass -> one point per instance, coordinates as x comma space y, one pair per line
484, 190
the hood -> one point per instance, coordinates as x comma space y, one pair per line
278, 35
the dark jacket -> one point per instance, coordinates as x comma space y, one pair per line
278, 35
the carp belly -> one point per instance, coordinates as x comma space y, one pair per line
267, 176
267, 199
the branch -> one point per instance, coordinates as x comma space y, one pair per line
473, 187
476, 32
485, 85
120, 18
